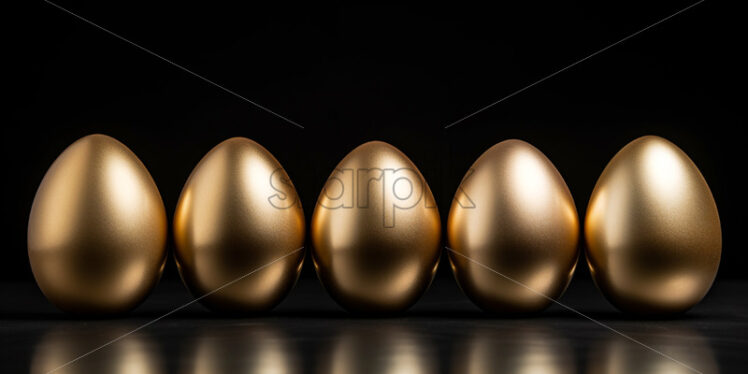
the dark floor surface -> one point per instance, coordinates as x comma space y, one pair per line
443, 332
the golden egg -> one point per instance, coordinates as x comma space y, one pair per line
513, 230
652, 229
376, 231
97, 230
239, 229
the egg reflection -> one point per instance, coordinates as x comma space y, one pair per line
241, 349
523, 349
675, 351
57, 348
378, 349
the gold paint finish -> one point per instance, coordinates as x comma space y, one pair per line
239, 212
514, 214
376, 231
652, 229
97, 229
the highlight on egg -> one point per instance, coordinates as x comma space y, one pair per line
239, 229
513, 230
97, 229
376, 231
652, 229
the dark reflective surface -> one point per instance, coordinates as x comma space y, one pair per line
390, 347
60, 345
239, 348
521, 348
309, 333
690, 352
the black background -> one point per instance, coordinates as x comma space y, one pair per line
350, 74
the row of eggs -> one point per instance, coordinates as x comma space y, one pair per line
98, 229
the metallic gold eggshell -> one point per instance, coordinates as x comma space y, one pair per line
239, 220
513, 214
97, 229
652, 229
376, 231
